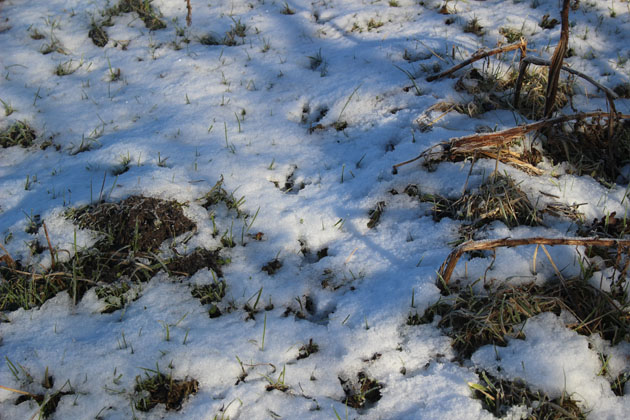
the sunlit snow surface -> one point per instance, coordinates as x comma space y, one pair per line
185, 114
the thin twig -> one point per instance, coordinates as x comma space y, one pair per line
522, 44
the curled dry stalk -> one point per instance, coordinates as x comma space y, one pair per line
446, 269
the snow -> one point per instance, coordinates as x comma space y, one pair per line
187, 114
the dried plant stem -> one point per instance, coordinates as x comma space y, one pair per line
17, 391
475, 142
7, 257
447, 268
556, 62
50, 248
522, 45
189, 14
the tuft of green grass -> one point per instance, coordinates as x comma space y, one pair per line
17, 134
142, 8
211, 294
474, 27
8, 108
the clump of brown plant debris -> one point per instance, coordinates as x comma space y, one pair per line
473, 320
595, 147
499, 198
18, 134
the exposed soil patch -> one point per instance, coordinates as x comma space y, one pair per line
163, 389
187, 265
498, 396
18, 134
142, 223
272, 266
132, 230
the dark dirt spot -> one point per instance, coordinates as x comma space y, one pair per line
187, 265
163, 389
363, 393
498, 396
272, 266
322, 253
375, 214
99, 36
141, 223
307, 349
623, 90
47, 403
547, 23
18, 134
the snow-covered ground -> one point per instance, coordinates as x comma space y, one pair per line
263, 115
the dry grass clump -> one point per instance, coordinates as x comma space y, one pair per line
17, 134
588, 148
498, 199
473, 320
532, 97
499, 395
